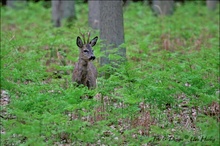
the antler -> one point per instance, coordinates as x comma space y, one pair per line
88, 37
83, 37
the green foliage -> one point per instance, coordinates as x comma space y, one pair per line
172, 62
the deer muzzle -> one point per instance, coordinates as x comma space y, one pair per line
92, 58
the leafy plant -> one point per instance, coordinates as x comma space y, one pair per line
165, 94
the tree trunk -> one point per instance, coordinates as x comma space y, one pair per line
111, 29
62, 9
126, 2
163, 7
211, 4
16, 3
69, 9
56, 12
94, 14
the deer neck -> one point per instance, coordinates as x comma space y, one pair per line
83, 65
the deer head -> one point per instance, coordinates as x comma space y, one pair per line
86, 51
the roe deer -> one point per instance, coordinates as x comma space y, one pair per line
85, 72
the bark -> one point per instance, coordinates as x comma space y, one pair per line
163, 7
126, 2
16, 3
211, 4
94, 14
56, 12
68, 9
111, 29
62, 9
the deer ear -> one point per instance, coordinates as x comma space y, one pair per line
93, 41
79, 42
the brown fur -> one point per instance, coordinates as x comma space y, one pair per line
85, 72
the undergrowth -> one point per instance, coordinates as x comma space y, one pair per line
165, 94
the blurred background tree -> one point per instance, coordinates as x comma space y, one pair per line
163, 7
211, 4
62, 9
94, 14
16, 3
111, 29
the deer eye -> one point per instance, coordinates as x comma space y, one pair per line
85, 51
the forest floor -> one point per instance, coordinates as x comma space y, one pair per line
167, 93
